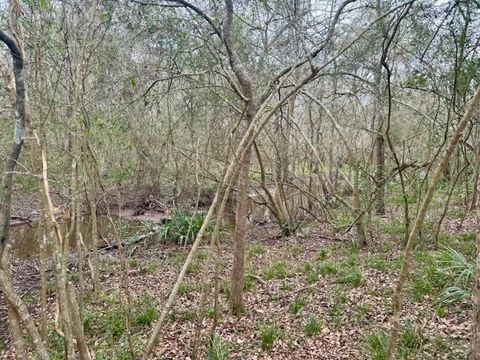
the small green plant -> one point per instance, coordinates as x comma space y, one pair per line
88, 321
306, 267
420, 287
194, 268
146, 311
210, 312
296, 250
297, 304
277, 270
352, 277
410, 341
327, 269
394, 229
321, 254
123, 353
217, 349
441, 311
378, 264
313, 326
184, 288
454, 294
148, 269
269, 334
361, 313
179, 259
182, 228
202, 255
187, 315
255, 250
455, 266
226, 289
376, 344
115, 323
312, 277
249, 283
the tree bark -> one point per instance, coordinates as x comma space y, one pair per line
16, 308
238, 271
475, 341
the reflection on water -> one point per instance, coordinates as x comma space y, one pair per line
25, 238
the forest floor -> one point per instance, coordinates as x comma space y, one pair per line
310, 296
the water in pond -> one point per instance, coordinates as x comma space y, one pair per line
25, 237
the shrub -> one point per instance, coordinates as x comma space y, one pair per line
182, 228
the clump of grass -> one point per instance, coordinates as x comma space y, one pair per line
194, 268
312, 277
179, 259
297, 304
148, 269
183, 228
210, 312
394, 229
327, 269
351, 277
410, 341
88, 321
184, 288
277, 270
419, 288
321, 254
217, 349
249, 283
313, 326
202, 255
361, 313
226, 289
115, 323
306, 267
255, 250
376, 344
146, 311
378, 264
187, 315
296, 250
454, 266
269, 334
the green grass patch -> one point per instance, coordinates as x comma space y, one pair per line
277, 270
217, 349
268, 335
313, 326
297, 305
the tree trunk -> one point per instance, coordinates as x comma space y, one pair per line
380, 174
475, 341
238, 270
